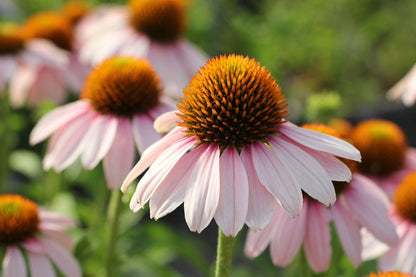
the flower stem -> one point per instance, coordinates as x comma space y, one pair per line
114, 210
4, 142
224, 254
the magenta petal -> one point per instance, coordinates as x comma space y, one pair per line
276, 178
40, 266
201, 198
317, 239
143, 131
63, 260
151, 154
14, 263
120, 158
348, 232
257, 240
56, 119
288, 236
233, 202
369, 205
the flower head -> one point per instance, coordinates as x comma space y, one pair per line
75, 10
233, 153
389, 274
116, 110
359, 203
11, 37
24, 228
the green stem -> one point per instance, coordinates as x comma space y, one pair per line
113, 220
224, 255
4, 142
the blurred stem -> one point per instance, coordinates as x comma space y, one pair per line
224, 254
4, 141
113, 220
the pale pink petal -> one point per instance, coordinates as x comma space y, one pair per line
201, 198
65, 262
372, 248
317, 239
409, 254
49, 85
120, 158
309, 174
389, 261
158, 171
276, 177
320, 141
369, 205
193, 56
20, 84
233, 202
14, 263
151, 154
143, 131
166, 121
33, 245
257, 240
55, 232
260, 201
348, 231
56, 119
98, 140
288, 236
40, 266
43, 52
70, 144
136, 45
171, 191
48, 217
405, 88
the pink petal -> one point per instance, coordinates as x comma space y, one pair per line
309, 174
33, 245
407, 253
166, 121
55, 232
317, 240
43, 52
369, 205
14, 264
48, 217
288, 236
405, 88
348, 232
20, 83
260, 202
49, 85
372, 248
120, 157
257, 240
320, 141
62, 258
151, 154
98, 140
159, 171
276, 178
201, 198
40, 266
233, 201
144, 134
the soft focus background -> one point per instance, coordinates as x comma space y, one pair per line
331, 58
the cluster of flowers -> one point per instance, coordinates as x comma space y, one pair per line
226, 153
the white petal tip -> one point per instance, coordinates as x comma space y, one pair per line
166, 122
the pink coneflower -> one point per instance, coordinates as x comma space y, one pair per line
387, 158
119, 102
233, 155
405, 89
26, 231
389, 274
151, 29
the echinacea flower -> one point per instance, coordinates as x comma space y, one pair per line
359, 203
152, 29
387, 158
233, 155
34, 240
389, 274
405, 89
116, 110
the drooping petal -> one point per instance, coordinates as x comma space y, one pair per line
288, 236
407, 253
166, 122
48, 217
276, 177
33, 245
260, 202
201, 198
98, 140
372, 248
143, 131
20, 83
370, 206
348, 232
317, 239
309, 174
40, 266
159, 171
14, 263
55, 232
151, 154
320, 141
65, 262
120, 157
233, 202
